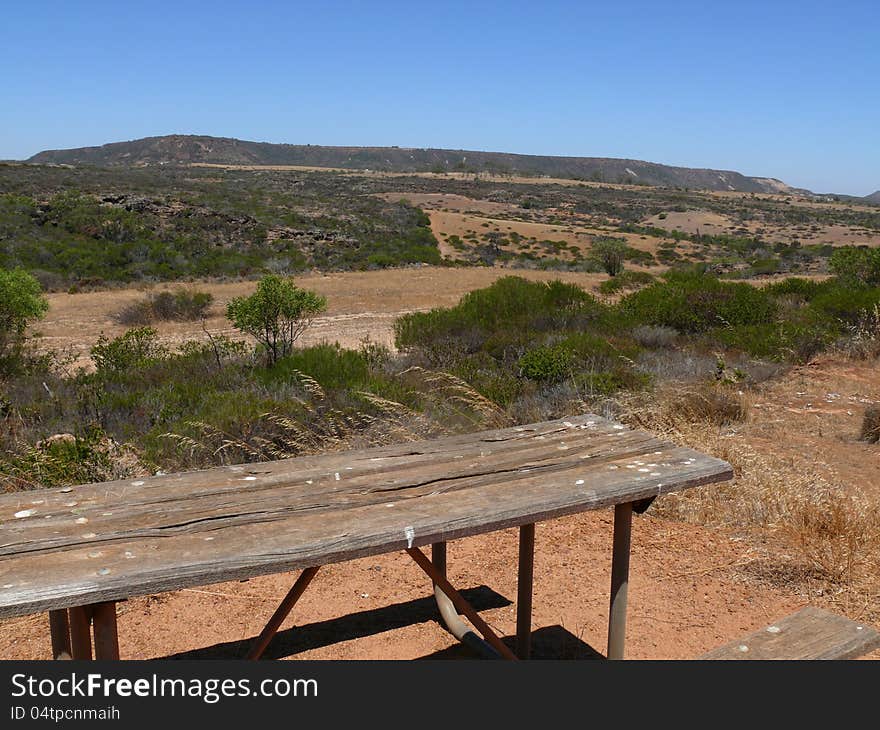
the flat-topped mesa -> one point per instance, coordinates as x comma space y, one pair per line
181, 149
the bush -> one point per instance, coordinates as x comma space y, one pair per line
778, 341
511, 304
137, 348
856, 264
654, 337
626, 280
804, 289
577, 353
696, 302
610, 252
330, 365
276, 314
846, 304
764, 267
871, 425
180, 306
549, 364
21, 303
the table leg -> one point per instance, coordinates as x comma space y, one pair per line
59, 629
80, 632
462, 605
281, 613
619, 580
438, 557
525, 580
106, 636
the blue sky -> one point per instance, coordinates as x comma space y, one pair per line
784, 89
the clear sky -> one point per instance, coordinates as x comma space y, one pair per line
772, 88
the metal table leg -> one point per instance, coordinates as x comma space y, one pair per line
525, 580
619, 580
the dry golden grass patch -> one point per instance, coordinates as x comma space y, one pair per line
830, 529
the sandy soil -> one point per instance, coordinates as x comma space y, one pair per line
459, 215
817, 409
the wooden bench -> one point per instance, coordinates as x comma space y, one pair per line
75, 551
811, 633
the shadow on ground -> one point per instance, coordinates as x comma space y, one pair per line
549, 642
298, 639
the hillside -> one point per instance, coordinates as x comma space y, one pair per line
873, 198
91, 225
186, 149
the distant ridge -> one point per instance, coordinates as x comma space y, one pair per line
179, 149
873, 198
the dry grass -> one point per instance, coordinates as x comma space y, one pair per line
871, 425
863, 340
450, 404
833, 530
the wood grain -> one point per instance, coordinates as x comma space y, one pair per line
103, 542
811, 633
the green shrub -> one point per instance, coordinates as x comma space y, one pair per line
60, 461
21, 303
761, 267
381, 260
804, 289
333, 366
611, 253
182, 305
546, 363
856, 264
578, 352
696, 302
844, 303
638, 256
606, 382
511, 303
136, 349
626, 280
778, 341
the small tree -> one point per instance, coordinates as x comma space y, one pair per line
276, 314
21, 303
610, 253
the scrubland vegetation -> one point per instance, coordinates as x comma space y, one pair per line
676, 350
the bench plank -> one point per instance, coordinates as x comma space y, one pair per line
811, 633
103, 542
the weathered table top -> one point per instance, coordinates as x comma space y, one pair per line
100, 542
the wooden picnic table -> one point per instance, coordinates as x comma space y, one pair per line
75, 551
